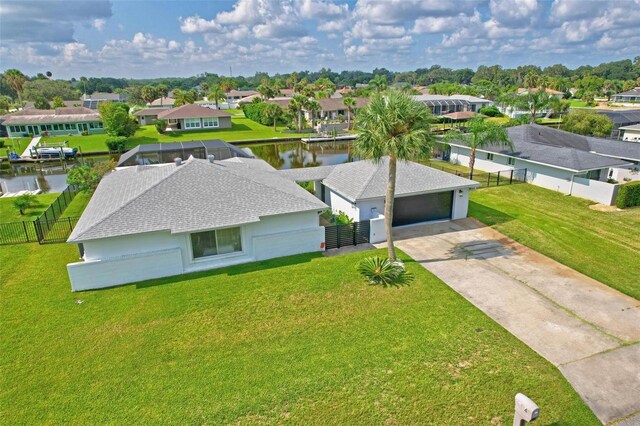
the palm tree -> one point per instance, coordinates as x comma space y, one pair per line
532, 101
273, 112
266, 91
559, 106
481, 133
227, 85
349, 102
216, 94
531, 80
379, 83
295, 106
393, 125
16, 80
313, 107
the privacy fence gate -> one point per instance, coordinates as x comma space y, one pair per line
349, 234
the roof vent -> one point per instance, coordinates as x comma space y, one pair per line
211, 157
178, 161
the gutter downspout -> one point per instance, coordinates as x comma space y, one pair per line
571, 187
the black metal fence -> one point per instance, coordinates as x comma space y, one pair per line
487, 179
350, 234
48, 228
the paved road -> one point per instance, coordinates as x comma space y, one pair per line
588, 330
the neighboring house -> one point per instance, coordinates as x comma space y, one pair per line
558, 160
621, 119
194, 117
514, 112
358, 189
162, 103
334, 108
93, 100
233, 96
59, 121
632, 95
147, 116
147, 222
287, 93
631, 133
67, 104
440, 104
162, 153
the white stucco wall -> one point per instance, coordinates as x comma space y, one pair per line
602, 192
339, 203
460, 204
499, 163
133, 258
625, 174
377, 231
631, 135
368, 209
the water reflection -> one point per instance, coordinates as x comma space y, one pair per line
296, 155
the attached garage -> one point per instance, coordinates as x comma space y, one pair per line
422, 208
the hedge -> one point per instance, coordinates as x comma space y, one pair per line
253, 112
628, 195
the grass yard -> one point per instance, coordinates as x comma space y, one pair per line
577, 103
89, 143
8, 213
602, 245
301, 340
242, 129
77, 205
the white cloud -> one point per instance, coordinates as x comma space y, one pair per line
513, 12
195, 24
99, 24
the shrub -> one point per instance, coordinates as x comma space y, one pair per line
254, 112
161, 125
84, 133
1, 144
339, 218
490, 111
382, 271
116, 143
24, 202
628, 195
87, 177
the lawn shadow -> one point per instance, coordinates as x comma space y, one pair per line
236, 126
244, 268
487, 215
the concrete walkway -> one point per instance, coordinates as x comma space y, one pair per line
590, 331
34, 142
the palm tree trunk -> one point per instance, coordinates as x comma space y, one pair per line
19, 99
472, 161
275, 119
388, 206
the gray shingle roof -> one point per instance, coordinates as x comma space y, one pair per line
306, 174
195, 196
363, 180
46, 116
558, 148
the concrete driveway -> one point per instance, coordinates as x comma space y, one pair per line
590, 331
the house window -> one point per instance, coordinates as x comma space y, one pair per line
214, 243
210, 122
191, 123
512, 161
489, 156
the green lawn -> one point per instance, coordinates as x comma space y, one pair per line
602, 245
577, 103
77, 205
299, 340
242, 129
8, 213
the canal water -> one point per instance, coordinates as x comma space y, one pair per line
52, 176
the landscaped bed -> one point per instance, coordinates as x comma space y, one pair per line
8, 213
300, 339
602, 245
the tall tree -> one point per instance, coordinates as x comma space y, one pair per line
481, 133
216, 94
533, 101
58, 102
227, 85
183, 97
16, 80
296, 106
149, 93
313, 107
116, 119
349, 102
273, 112
379, 83
531, 80
585, 122
393, 127
266, 91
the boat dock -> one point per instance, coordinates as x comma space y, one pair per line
34, 142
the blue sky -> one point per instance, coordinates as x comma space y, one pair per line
182, 38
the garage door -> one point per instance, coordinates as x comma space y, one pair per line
422, 208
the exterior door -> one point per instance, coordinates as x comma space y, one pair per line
35, 130
82, 127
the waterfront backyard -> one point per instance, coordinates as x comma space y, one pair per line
245, 345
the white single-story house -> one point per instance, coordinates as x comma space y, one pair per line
195, 117
631, 133
147, 222
558, 160
59, 121
632, 95
148, 116
358, 189
233, 96
514, 112
441, 104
